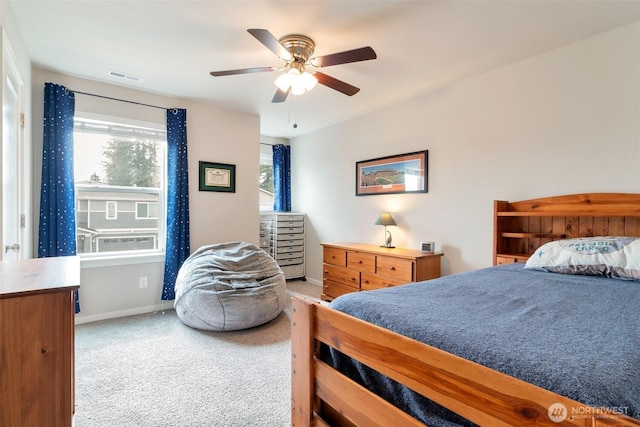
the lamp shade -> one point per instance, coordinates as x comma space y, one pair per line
385, 219
298, 82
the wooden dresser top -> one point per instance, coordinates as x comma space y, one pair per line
379, 250
23, 277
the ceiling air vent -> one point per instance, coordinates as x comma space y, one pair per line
125, 76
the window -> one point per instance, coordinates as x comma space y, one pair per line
119, 172
112, 210
146, 210
266, 177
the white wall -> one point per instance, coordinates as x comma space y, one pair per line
214, 135
564, 122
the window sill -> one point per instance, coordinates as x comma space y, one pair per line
120, 259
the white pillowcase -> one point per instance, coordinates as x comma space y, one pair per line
611, 256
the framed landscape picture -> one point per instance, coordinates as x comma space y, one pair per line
402, 173
217, 177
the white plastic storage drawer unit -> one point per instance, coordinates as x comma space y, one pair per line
282, 237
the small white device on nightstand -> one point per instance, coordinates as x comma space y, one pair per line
428, 247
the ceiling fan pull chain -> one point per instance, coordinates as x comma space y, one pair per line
295, 111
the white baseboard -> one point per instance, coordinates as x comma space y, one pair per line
314, 281
123, 313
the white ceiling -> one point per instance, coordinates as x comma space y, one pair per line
421, 46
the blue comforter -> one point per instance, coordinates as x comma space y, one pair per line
578, 336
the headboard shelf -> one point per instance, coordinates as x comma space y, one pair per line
521, 227
568, 213
533, 235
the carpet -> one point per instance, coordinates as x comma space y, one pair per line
151, 370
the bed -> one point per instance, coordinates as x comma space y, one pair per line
356, 362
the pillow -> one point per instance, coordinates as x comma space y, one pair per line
617, 257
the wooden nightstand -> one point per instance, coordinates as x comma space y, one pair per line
354, 267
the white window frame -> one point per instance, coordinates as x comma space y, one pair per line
111, 205
97, 259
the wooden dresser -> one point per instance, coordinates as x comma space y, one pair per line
353, 267
37, 341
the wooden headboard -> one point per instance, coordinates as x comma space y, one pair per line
521, 227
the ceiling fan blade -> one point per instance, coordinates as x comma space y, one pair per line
242, 71
272, 43
336, 84
355, 55
280, 96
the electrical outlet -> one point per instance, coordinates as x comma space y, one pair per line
143, 281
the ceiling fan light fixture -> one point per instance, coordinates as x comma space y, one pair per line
284, 81
297, 87
309, 80
299, 83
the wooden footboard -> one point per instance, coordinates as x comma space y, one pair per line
321, 396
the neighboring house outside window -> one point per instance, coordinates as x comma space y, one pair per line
266, 177
120, 195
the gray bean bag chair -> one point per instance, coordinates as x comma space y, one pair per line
229, 286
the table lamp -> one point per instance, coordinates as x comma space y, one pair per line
386, 219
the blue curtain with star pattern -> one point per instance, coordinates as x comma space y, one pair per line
281, 178
178, 245
57, 227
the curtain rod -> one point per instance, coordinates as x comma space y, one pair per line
121, 100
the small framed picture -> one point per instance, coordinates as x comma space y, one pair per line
217, 177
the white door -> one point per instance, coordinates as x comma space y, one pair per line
10, 210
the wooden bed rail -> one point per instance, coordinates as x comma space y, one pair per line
321, 396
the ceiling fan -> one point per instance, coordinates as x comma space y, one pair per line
296, 51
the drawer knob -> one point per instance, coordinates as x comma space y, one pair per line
326, 272
333, 257
353, 279
392, 268
360, 262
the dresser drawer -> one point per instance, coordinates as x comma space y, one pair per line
287, 218
290, 238
331, 290
290, 258
342, 275
286, 224
334, 256
361, 261
510, 259
298, 247
290, 230
369, 282
394, 267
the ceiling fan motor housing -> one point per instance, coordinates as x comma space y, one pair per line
301, 47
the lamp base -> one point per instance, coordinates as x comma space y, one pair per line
385, 246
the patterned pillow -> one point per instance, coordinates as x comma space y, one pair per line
617, 257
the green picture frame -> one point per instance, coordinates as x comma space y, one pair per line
217, 177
